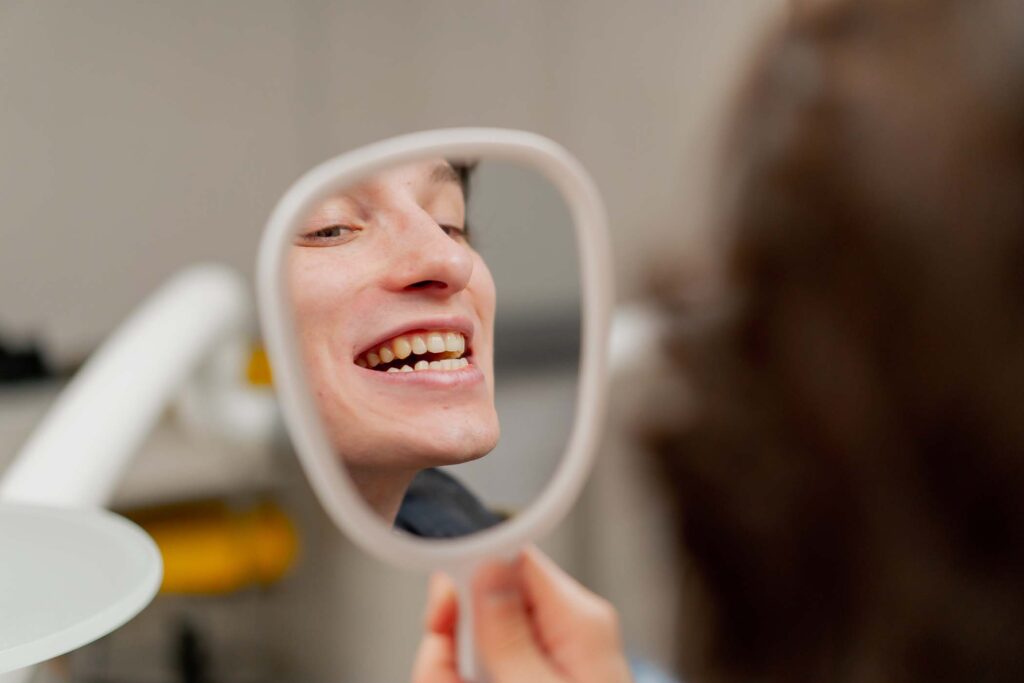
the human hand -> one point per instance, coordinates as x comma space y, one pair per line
533, 623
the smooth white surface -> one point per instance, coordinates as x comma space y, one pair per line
80, 450
218, 402
179, 460
67, 577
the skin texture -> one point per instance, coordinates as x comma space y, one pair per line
533, 623
388, 256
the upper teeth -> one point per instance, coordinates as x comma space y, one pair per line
448, 345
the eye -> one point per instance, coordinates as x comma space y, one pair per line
331, 234
455, 231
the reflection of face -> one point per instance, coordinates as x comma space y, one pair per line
382, 275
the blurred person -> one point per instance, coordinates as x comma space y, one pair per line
849, 491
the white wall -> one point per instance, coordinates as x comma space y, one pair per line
140, 136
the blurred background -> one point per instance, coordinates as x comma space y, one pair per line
137, 138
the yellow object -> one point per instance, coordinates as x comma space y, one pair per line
257, 372
209, 548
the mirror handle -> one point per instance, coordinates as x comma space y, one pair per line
471, 668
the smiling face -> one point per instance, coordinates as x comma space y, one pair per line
395, 314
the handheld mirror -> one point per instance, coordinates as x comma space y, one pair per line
436, 308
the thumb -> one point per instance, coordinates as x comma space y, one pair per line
503, 629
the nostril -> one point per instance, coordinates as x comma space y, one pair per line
428, 284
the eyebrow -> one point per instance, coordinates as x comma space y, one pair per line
444, 173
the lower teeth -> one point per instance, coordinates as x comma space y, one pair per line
447, 364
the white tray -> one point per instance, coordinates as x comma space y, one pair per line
68, 577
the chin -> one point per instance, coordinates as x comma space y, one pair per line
429, 439
453, 450
458, 443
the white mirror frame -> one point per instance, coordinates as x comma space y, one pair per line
349, 511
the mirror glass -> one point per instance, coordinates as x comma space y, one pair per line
437, 308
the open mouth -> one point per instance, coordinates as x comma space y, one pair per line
416, 352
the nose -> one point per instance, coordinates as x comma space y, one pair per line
425, 259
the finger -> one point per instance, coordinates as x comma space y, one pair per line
571, 622
442, 611
502, 627
436, 661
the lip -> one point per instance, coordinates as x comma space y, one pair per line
438, 379
453, 323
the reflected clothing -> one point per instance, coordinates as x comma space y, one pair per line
438, 506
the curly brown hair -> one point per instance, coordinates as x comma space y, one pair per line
851, 490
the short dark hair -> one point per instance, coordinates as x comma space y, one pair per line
464, 170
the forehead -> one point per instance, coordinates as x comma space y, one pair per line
429, 172
433, 180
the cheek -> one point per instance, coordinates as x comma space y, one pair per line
321, 292
484, 293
